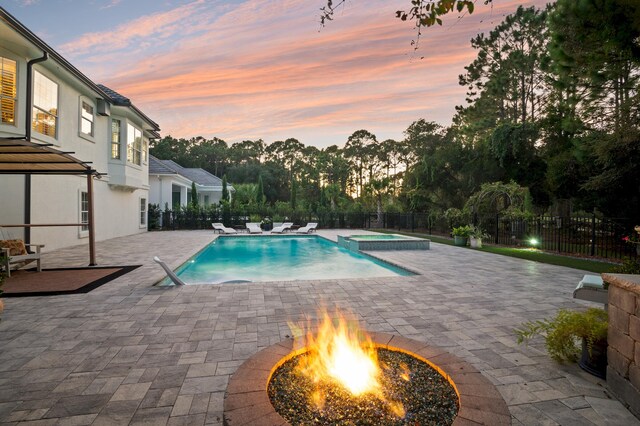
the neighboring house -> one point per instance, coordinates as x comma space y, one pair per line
171, 184
71, 113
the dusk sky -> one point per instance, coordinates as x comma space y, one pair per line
265, 69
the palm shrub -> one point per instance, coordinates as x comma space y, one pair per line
462, 231
564, 333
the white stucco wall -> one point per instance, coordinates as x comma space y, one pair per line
55, 198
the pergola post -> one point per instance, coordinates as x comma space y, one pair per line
92, 237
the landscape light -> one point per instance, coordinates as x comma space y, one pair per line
533, 241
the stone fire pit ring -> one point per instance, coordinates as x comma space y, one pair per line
246, 400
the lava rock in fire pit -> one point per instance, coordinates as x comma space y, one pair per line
426, 396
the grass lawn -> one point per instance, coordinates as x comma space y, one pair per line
524, 253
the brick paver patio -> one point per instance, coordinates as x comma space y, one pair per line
131, 353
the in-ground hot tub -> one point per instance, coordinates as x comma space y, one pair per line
382, 242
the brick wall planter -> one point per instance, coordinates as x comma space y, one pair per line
623, 371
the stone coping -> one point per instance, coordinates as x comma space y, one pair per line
246, 400
627, 282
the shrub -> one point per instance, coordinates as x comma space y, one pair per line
563, 333
462, 231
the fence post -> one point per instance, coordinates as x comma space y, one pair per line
497, 226
413, 227
593, 234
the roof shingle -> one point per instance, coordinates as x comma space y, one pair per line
197, 175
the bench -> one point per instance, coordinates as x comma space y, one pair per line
591, 288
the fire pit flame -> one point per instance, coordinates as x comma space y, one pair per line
340, 351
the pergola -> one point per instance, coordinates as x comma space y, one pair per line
21, 156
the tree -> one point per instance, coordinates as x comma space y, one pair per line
495, 197
294, 193
596, 56
260, 199
194, 195
507, 81
225, 190
360, 151
425, 13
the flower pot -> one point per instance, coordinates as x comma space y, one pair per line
459, 241
594, 362
475, 242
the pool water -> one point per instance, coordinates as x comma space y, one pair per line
378, 237
279, 258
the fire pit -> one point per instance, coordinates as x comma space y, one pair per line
341, 375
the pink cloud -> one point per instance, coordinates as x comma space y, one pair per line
263, 70
158, 25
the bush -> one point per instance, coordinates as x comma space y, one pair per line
564, 333
628, 266
462, 231
455, 217
154, 216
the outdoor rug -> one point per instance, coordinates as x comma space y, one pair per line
52, 282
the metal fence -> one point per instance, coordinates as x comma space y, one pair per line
203, 219
577, 235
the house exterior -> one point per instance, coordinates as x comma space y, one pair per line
47, 100
170, 184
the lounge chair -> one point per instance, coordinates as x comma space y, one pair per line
169, 272
591, 288
280, 229
254, 228
307, 229
223, 229
16, 255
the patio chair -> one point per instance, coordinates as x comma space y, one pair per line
16, 255
254, 228
307, 229
282, 228
223, 229
169, 272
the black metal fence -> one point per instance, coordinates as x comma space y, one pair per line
202, 220
578, 235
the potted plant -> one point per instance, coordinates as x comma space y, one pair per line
461, 235
573, 336
475, 237
266, 224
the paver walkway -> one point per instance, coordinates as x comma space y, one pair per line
131, 353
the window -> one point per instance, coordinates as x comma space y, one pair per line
86, 119
45, 105
143, 212
134, 144
115, 139
145, 150
84, 210
8, 92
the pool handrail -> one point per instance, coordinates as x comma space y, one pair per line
169, 272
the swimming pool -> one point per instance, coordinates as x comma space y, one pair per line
279, 258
